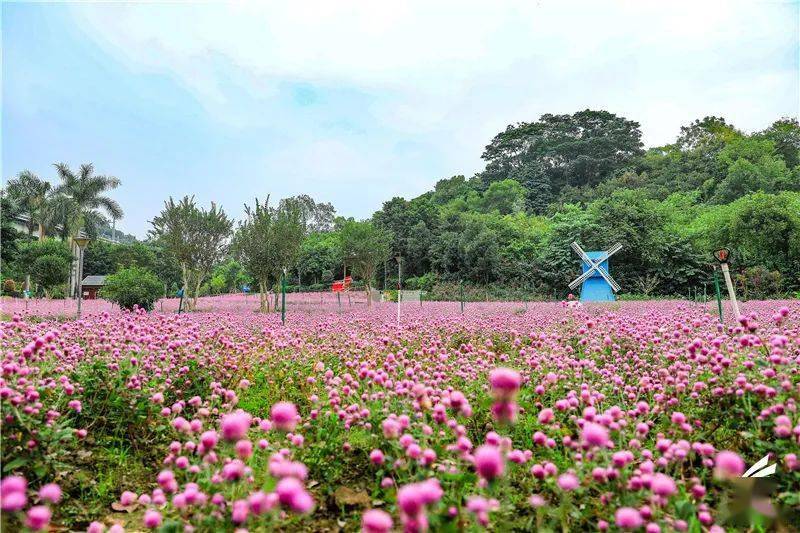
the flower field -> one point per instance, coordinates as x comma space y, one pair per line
631, 416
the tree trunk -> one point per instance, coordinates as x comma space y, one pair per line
262, 297
41, 232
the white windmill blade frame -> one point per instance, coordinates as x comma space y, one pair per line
595, 265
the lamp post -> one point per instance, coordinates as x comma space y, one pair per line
398, 258
283, 297
722, 255
81, 242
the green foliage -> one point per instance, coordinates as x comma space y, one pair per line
133, 286
365, 245
49, 270
196, 237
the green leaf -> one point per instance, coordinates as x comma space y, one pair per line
16, 463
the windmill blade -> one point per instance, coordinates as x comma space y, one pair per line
614, 249
581, 253
768, 471
583, 277
761, 463
609, 279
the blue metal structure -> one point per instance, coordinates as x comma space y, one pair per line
596, 282
595, 288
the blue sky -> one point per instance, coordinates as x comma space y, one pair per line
356, 102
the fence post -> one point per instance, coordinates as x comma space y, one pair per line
719, 296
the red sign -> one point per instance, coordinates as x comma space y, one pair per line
342, 285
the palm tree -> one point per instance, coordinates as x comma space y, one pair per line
34, 198
83, 201
81, 205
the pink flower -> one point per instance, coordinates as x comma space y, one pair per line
234, 426
663, 485
568, 482
38, 517
376, 456
594, 435
284, 416
376, 521
127, 498
628, 518
728, 465
489, 462
505, 383
152, 519
12, 493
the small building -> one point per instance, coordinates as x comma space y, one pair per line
91, 286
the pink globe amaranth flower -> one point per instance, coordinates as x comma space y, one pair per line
728, 465
284, 416
546, 416
239, 511
292, 494
152, 519
489, 462
209, 439
594, 435
505, 383
568, 481
663, 485
127, 498
234, 426
95, 527
628, 518
376, 521
376, 456
12, 494
244, 448
38, 517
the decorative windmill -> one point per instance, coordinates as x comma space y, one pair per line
597, 283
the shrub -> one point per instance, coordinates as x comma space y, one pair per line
49, 270
9, 286
132, 286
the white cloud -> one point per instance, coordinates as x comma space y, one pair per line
448, 75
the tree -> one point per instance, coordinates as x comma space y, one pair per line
83, 199
785, 133
316, 217
584, 148
48, 271
133, 286
34, 199
504, 197
268, 241
80, 205
365, 246
319, 252
198, 238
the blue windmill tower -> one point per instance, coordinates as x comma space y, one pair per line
597, 283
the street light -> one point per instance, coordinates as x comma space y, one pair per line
81, 242
398, 258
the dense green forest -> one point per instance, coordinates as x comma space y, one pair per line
504, 232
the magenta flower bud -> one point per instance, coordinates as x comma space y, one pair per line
376, 521
488, 462
38, 517
628, 518
728, 465
284, 416
152, 519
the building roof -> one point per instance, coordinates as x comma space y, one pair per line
94, 280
